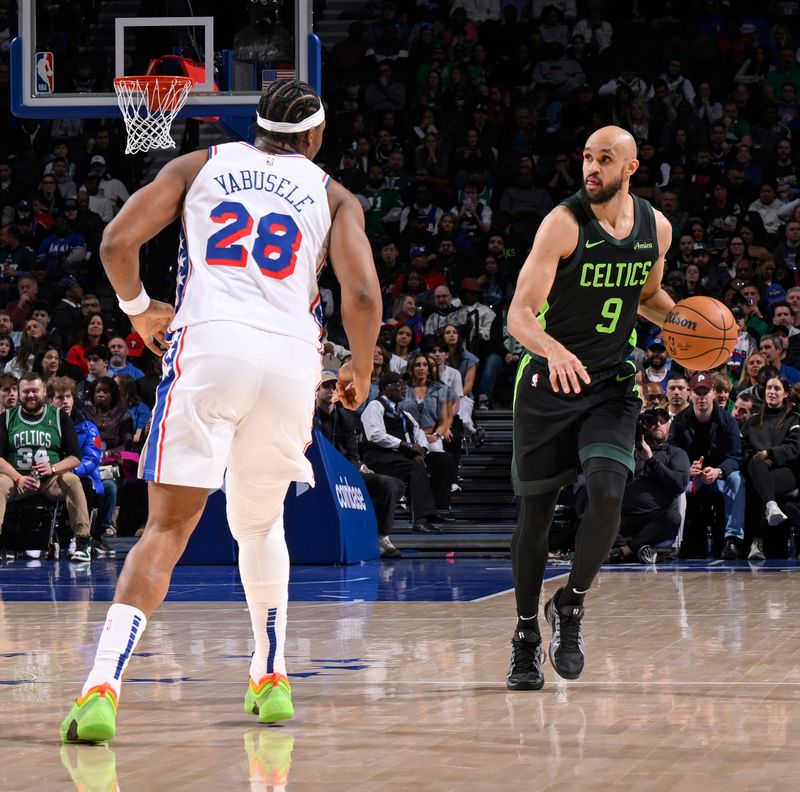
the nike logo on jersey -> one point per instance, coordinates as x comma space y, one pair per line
590, 245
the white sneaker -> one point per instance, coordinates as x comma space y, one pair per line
756, 551
455, 488
33, 554
773, 514
388, 550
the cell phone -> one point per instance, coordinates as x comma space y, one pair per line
751, 301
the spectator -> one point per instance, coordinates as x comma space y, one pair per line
106, 410
118, 347
384, 93
653, 396
49, 196
596, 31
6, 349
20, 310
140, 413
61, 395
743, 408
463, 361
98, 203
710, 438
773, 348
91, 335
786, 252
722, 389
657, 366
770, 450
445, 312
650, 513
473, 217
422, 207
786, 71
525, 204
9, 392
429, 401
404, 311
333, 421
402, 347
396, 446
67, 316
63, 249
66, 186
109, 187
677, 393
42, 461
29, 344
90, 304
14, 255
768, 206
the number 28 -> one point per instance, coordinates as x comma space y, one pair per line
275, 247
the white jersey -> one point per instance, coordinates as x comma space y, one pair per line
254, 236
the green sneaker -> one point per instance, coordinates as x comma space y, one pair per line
92, 718
270, 698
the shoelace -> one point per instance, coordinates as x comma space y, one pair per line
524, 656
570, 633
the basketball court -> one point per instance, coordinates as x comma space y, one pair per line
398, 671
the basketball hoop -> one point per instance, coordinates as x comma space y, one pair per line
149, 104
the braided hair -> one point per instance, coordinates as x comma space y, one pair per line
287, 101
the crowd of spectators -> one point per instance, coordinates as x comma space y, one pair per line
459, 125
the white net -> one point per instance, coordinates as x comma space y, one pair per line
149, 105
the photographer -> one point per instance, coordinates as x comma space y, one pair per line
649, 509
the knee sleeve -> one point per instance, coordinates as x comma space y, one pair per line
253, 513
606, 480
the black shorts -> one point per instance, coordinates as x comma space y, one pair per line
555, 433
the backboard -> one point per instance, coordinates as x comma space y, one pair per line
67, 53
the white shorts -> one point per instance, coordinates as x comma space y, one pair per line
232, 398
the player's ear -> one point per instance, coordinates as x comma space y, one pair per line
633, 166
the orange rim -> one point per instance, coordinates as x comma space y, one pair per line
157, 87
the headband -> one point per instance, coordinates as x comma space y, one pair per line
315, 119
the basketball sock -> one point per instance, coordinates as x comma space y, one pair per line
123, 629
570, 596
264, 569
528, 623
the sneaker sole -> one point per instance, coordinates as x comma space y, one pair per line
522, 685
776, 519
90, 732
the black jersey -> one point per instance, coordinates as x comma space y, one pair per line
592, 305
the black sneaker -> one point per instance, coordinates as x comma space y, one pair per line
616, 556
567, 653
730, 552
527, 659
478, 437
388, 550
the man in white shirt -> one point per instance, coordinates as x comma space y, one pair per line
396, 446
768, 205
108, 186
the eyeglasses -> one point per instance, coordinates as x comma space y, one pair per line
656, 397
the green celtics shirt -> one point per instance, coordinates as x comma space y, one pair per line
592, 305
33, 440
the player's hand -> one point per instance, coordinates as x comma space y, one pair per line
351, 389
152, 325
566, 371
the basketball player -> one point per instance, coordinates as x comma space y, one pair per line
240, 372
596, 261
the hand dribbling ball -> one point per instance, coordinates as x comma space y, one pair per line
700, 333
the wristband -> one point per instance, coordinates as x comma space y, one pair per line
137, 305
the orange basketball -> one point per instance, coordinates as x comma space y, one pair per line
700, 333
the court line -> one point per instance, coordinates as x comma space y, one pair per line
507, 591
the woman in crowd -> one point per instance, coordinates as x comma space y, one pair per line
752, 231
496, 290
432, 157
691, 281
448, 229
410, 283
32, 334
47, 361
402, 347
428, 401
404, 311
770, 452
466, 364
91, 335
734, 254
138, 410
7, 350
749, 379
106, 410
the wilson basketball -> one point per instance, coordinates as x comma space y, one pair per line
700, 333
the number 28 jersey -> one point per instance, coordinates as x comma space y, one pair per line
254, 236
592, 305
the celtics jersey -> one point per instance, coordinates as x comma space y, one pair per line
591, 308
32, 441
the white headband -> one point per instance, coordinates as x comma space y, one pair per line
315, 119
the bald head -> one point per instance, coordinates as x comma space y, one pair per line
609, 161
615, 139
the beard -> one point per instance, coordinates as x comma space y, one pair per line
606, 193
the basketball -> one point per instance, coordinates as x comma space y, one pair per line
700, 333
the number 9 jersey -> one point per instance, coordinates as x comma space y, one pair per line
254, 235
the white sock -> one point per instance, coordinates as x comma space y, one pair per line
123, 629
264, 569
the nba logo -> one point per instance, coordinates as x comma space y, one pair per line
44, 72
535, 380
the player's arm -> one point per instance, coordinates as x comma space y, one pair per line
143, 215
556, 239
362, 305
654, 302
